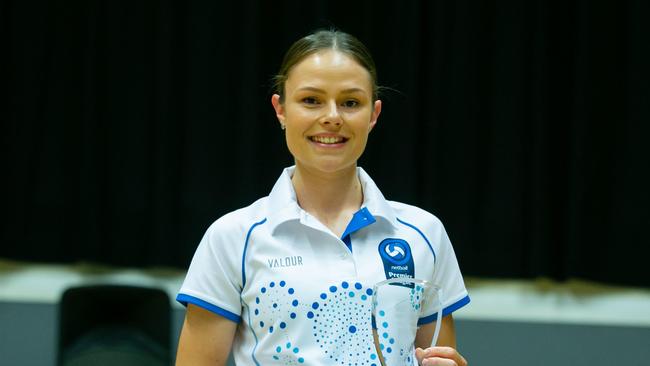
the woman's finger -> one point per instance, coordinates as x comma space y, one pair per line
437, 361
440, 356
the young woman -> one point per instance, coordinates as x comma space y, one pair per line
288, 279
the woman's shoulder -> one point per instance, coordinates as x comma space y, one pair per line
414, 215
240, 220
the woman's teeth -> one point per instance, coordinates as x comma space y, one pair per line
327, 139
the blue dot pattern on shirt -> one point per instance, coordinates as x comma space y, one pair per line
339, 316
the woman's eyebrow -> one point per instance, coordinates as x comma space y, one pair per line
311, 88
354, 90
318, 90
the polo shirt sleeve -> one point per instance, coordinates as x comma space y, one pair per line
213, 280
446, 274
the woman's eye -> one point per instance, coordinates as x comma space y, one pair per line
350, 103
310, 100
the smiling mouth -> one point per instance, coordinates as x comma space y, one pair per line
328, 140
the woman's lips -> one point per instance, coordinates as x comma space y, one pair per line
328, 140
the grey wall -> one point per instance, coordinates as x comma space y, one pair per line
28, 336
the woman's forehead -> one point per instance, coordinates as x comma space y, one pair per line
330, 58
329, 66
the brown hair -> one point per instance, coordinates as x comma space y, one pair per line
323, 40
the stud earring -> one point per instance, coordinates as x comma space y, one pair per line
282, 126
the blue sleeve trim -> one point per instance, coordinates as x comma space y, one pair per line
446, 311
187, 299
422, 235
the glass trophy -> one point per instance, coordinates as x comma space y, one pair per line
397, 305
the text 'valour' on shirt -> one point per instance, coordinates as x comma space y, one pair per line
302, 295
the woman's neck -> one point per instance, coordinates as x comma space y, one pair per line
330, 197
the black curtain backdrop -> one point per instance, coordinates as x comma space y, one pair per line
130, 126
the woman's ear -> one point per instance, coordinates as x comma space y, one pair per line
375, 114
279, 108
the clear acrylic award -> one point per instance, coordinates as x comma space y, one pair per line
397, 306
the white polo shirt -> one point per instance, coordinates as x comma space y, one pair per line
302, 295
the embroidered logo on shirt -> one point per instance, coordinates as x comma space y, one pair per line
397, 258
292, 261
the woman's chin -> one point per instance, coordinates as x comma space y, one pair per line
328, 166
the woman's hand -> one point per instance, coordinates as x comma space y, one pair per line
446, 356
445, 352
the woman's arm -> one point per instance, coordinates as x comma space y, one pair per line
206, 338
444, 353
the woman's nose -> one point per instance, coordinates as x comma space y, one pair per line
332, 115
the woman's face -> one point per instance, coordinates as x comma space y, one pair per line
328, 111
